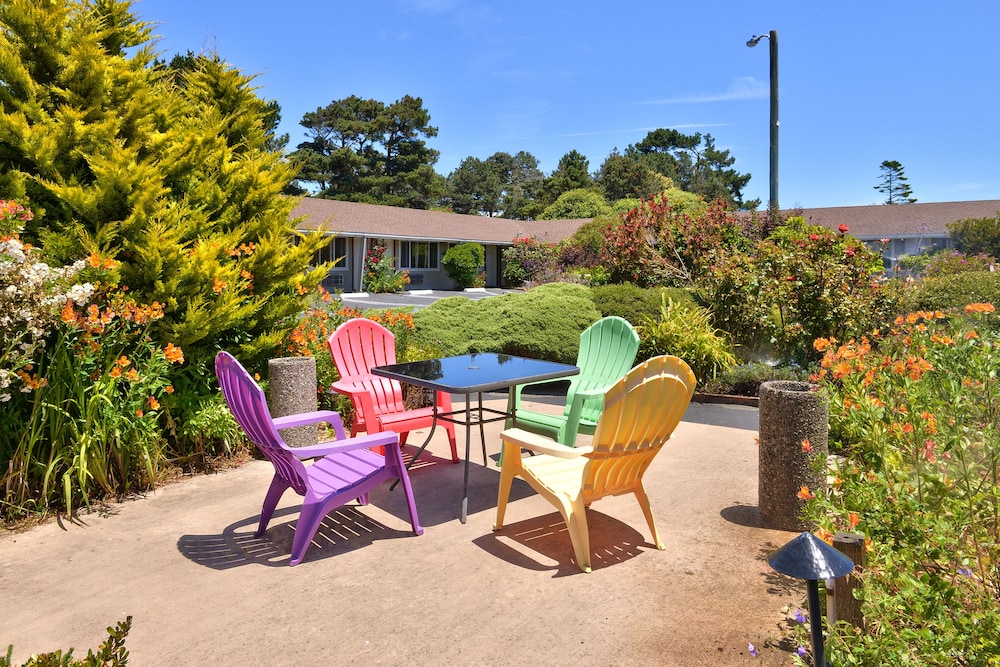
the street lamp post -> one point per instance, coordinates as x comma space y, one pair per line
772, 38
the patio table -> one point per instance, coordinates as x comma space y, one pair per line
469, 374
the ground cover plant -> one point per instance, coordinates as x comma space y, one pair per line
914, 412
544, 322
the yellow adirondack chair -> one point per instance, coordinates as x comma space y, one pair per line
640, 413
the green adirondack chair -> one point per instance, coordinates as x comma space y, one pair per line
607, 352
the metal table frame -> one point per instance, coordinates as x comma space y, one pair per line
473, 374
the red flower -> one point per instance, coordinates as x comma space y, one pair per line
843, 229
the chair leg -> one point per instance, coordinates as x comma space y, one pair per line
576, 520
411, 504
450, 429
274, 493
310, 517
511, 466
640, 495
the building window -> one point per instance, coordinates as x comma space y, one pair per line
335, 250
418, 255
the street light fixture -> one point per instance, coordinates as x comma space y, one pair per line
772, 38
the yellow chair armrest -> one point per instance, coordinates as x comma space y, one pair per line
542, 445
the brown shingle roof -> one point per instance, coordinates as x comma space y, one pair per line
901, 219
354, 219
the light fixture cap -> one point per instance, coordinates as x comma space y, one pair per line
808, 557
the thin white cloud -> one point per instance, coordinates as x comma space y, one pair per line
745, 88
685, 126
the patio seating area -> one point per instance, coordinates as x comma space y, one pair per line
201, 589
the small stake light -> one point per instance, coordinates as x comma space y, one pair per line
810, 558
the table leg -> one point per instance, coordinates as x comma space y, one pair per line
420, 450
468, 438
482, 431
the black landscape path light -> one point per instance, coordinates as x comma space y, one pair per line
810, 558
772, 39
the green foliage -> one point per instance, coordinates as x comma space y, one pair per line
622, 177
544, 323
112, 652
633, 303
701, 169
572, 173
169, 171
576, 204
745, 379
915, 414
589, 237
372, 152
977, 235
803, 282
952, 291
502, 184
948, 263
464, 263
686, 331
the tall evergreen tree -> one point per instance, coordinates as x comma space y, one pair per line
368, 151
174, 178
893, 183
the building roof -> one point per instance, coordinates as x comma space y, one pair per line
901, 220
370, 220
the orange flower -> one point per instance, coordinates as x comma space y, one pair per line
806, 445
173, 354
153, 403
825, 535
971, 335
805, 494
299, 289
94, 260
138, 413
169, 389
122, 361
980, 308
116, 372
218, 285
853, 519
132, 375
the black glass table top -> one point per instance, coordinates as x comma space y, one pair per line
474, 373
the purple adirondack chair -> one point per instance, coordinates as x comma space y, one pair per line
343, 469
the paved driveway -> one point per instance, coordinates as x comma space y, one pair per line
416, 299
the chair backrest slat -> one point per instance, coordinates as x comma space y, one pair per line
640, 413
607, 351
248, 405
356, 346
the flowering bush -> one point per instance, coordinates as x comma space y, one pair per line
88, 420
381, 275
948, 263
32, 293
915, 410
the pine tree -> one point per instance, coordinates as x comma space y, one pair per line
169, 170
893, 184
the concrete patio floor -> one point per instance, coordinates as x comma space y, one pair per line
202, 590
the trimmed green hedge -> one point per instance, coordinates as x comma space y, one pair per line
632, 303
957, 290
543, 323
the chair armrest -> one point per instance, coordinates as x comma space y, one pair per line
516, 391
542, 445
361, 397
306, 418
572, 426
381, 439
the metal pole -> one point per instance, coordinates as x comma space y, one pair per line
816, 623
773, 44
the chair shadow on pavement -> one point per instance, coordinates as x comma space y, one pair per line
542, 543
342, 530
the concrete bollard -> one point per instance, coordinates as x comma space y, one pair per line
291, 390
790, 412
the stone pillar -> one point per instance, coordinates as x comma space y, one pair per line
291, 390
790, 412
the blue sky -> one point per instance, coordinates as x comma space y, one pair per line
860, 81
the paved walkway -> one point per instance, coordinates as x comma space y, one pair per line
203, 591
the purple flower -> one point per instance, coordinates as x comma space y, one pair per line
964, 571
800, 616
752, 649
801, 651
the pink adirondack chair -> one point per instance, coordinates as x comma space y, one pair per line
343, 469
356, 346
